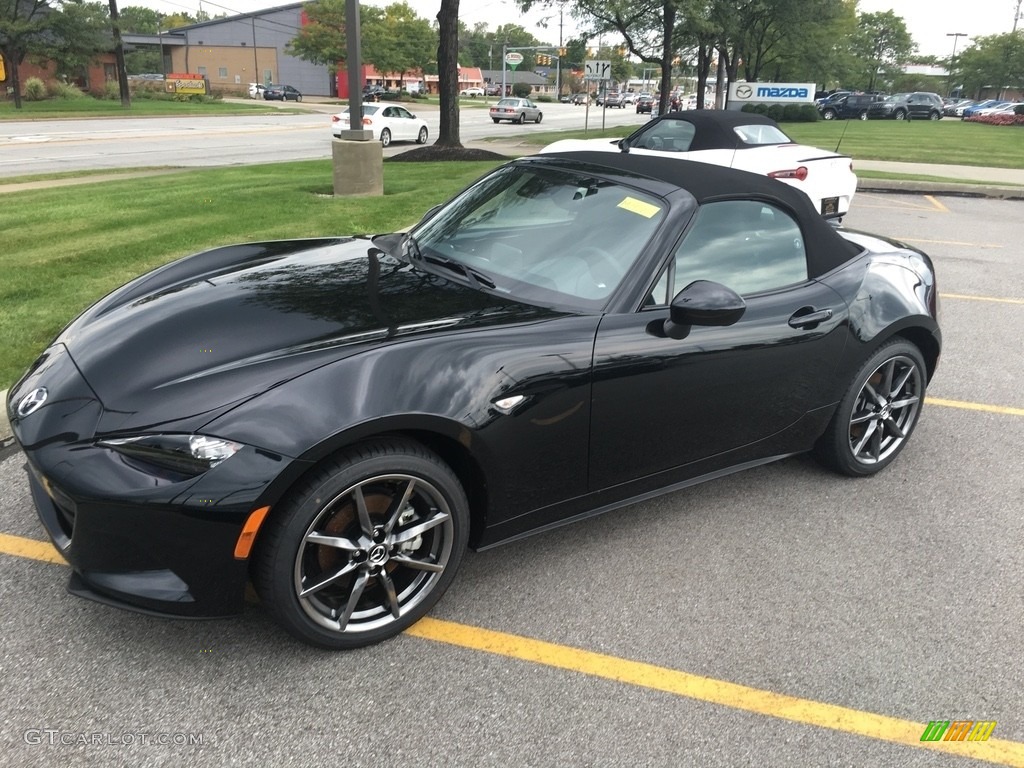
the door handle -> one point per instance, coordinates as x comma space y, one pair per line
808, 317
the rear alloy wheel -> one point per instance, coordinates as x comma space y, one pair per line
522, 118
385, 137
365, 548
876, 417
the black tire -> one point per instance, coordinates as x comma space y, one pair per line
385, 137
878, 413
496, 120
933, 115
900, 115
422, 137
391, 523
828, 114
863, 116
522, 118
540, 116
298, 98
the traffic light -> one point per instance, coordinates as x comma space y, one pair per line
561, 52
544, 60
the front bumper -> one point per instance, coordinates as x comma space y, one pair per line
139, 536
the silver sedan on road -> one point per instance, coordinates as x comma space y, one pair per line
516, 111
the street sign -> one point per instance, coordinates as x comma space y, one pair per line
597, 70
513, 59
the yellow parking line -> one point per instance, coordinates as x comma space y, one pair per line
945, 242
968, 406
30, 548
934, 201
672, 681
968, 297
769, 703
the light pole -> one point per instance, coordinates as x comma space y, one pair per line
956, 37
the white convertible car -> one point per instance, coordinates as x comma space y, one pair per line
743, 140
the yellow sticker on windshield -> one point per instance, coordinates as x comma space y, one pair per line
639, 206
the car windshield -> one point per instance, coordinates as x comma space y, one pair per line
543, 235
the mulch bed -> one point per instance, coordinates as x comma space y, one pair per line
433, 153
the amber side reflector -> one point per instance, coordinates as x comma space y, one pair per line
248, 534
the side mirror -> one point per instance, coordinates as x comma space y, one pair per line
703, 302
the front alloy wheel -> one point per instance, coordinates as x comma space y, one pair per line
367, 546
877, 415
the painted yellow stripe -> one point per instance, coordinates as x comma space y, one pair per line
768, 703
968, 406
934, 201
944, 242
30, 548
968, 297
804, 711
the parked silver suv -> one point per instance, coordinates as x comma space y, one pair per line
919, 105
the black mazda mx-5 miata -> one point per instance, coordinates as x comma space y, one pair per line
339, 418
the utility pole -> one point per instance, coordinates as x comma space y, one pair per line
558, 61
122, 72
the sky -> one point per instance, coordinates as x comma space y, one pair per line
928, 21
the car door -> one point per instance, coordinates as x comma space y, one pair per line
664, 400
405, 124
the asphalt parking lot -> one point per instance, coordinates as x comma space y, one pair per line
780, 617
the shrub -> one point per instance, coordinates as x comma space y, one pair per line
67, 91
775, 112
34, 89
545, 99
808, 114
111, 91
521, 90
791, 112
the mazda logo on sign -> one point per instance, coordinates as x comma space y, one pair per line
31, 402
744, 92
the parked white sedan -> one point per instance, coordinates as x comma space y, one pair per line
743, 140
471, 92
389, 122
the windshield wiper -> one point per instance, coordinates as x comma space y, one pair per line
476, 278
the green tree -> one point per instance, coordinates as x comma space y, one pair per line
993, 61
322, 39
78, 32
24, 27
881, 43
396, 40
141, 21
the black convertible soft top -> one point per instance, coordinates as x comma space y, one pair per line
826, 248
713, 128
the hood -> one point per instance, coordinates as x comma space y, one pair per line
204, 333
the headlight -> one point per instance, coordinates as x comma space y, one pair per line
186, 454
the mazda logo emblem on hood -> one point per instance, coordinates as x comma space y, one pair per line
31, 402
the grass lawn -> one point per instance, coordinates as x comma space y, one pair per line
51, 109
66, 247
949, 141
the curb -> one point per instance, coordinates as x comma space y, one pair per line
940, 188
6, 436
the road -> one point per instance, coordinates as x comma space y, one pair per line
48, 146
